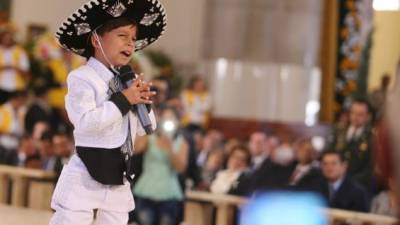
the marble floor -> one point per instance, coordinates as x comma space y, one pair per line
10, 215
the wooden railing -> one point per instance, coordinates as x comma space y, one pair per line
199, 208
26, 187
33, 188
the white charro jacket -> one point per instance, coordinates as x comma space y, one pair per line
97, 121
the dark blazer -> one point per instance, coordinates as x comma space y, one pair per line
268, 177
36, 113
12, 159
349, 196
310, 181
359, 154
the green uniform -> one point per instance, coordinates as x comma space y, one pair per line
357, 152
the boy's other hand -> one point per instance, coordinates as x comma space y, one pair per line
139, 92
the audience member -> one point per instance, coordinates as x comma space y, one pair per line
196, 104
258, 149
306, 174
378, 97
14, 64
26, 154
387, 202
211, 141
158, 192
39, 110
355, 143
50, 162
339, 190
11, 120
63, 146
238, 162
215, 163
273, 174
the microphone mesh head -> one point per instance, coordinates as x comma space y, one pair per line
126, 73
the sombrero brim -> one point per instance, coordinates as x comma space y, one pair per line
76, 29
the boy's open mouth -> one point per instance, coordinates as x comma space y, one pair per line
126, 53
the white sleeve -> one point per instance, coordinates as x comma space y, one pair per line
221, 184
206, 106
81, 107
24, 62
140, 130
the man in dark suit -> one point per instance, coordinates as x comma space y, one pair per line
273, 174
39, 110
355, 143
26, 154
339, 190
307, 174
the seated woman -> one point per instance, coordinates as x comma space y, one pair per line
238, 163
386, 203
157, 191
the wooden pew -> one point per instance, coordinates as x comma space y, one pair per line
197, 206
336, 216
22, 179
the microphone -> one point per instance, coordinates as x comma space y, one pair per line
127, 75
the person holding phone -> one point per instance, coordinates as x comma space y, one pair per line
158, 193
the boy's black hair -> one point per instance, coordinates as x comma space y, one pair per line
108, 26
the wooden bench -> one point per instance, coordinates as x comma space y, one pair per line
30, 187
199, 206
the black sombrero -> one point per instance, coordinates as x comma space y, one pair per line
76, 29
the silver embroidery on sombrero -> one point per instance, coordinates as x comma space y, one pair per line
149, 19
141, 43
78, 51
82, 28
130, 2
117, 9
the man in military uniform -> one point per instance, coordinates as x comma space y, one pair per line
355, 143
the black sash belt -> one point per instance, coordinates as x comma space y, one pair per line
106, 166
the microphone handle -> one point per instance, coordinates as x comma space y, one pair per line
144, 118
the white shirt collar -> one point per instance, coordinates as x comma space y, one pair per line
354, 132
100, 69
336, 185
303, 168
258, 160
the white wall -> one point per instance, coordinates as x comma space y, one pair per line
182, 39
385, 51
47, 12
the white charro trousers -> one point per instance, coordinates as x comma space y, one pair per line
77, 194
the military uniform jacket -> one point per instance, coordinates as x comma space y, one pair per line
358, 153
